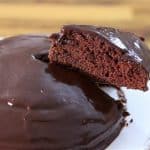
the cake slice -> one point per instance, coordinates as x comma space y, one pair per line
109, 55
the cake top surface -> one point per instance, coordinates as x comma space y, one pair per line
132, 45
43, 98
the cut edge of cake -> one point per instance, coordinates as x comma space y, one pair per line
85, 49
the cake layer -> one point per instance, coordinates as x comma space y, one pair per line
109, 55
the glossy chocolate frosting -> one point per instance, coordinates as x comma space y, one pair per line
132, 45
48, 107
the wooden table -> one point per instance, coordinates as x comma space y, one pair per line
45, 16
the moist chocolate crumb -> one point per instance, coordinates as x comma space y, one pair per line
131, 120
109, 55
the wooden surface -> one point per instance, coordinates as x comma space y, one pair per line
46, 16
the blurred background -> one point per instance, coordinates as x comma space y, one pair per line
46, 16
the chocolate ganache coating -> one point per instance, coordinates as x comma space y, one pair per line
45, 106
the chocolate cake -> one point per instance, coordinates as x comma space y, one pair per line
109, 55
47, 107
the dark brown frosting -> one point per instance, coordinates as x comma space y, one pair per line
132, 45
47, 107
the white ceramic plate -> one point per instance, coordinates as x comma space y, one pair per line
137, 135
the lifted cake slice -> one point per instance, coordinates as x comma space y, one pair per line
109, 55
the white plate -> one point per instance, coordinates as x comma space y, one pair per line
137, 135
